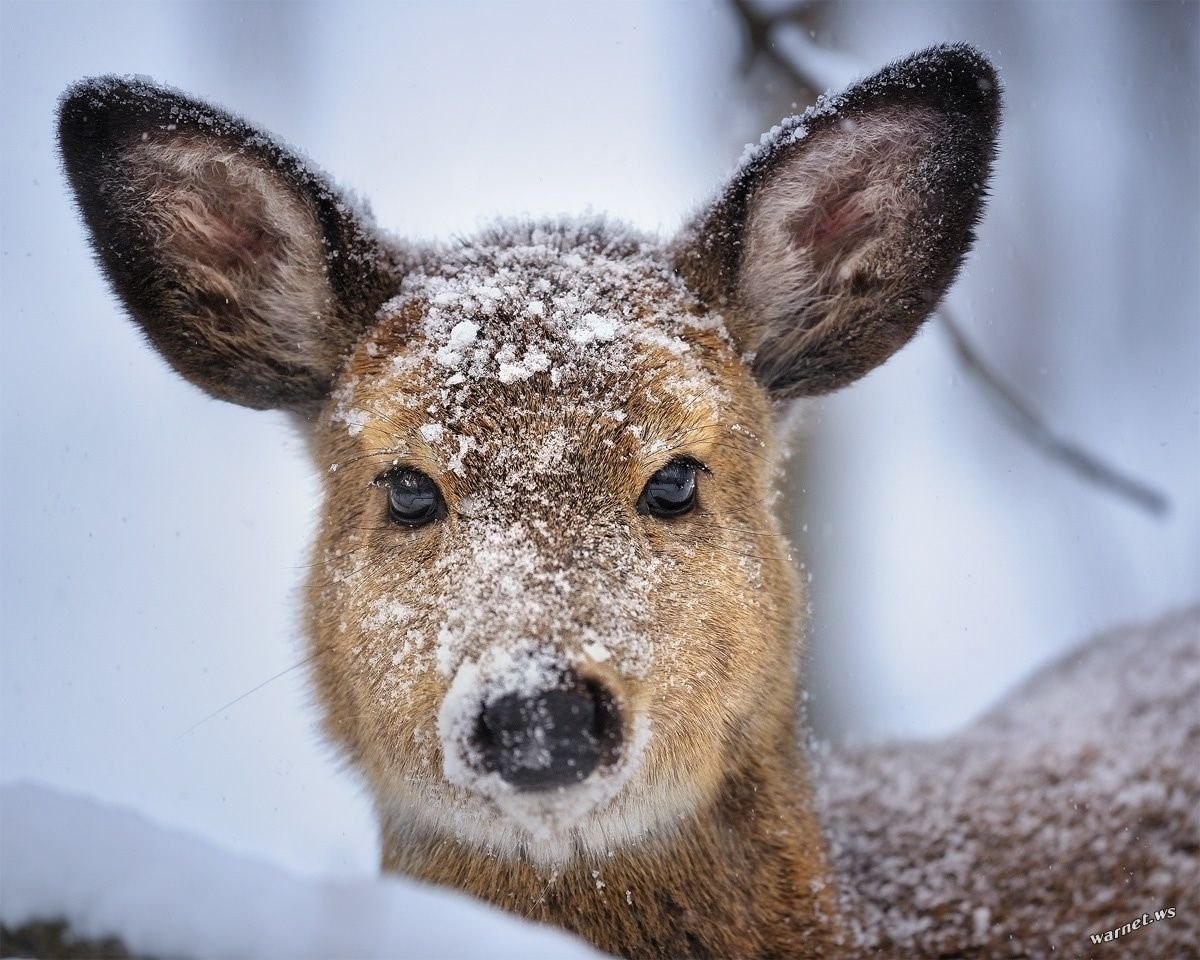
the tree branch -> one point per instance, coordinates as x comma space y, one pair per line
758, 26
1031, 425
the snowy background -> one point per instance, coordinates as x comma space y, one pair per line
153, 540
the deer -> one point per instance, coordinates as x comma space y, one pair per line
553, 619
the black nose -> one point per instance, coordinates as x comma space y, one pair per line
552, 738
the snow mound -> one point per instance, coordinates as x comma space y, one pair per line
110, 872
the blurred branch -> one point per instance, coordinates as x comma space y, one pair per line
758, 25
1030, 424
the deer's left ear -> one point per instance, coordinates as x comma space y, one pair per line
839, 235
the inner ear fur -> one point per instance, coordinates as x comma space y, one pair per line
244, 267
841, 232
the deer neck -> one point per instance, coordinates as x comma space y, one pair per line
745, 876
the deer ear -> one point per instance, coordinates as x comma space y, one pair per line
839, 234
245, 269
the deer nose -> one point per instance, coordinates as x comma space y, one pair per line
551, 738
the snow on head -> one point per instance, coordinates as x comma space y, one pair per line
588, 306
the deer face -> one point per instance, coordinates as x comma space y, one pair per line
552, 609
543, 602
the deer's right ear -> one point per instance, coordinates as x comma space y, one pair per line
839, 235
244, 267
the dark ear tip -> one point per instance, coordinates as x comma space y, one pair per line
92, 112
97, 112
85, 102
78, 107
957, 76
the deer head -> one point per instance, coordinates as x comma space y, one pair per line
553, 609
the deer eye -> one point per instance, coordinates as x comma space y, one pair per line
413, 498
670, 492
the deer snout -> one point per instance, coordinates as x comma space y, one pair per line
549, 738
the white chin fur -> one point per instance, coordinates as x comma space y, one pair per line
594, 818
544, 816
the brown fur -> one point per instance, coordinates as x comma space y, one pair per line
1069, 810
747, 879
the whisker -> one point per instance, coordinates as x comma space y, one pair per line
236, 700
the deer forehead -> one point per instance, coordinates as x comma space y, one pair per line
540, 380
507, 365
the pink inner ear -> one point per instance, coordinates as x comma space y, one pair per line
221, 236
239, 242
831, 227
